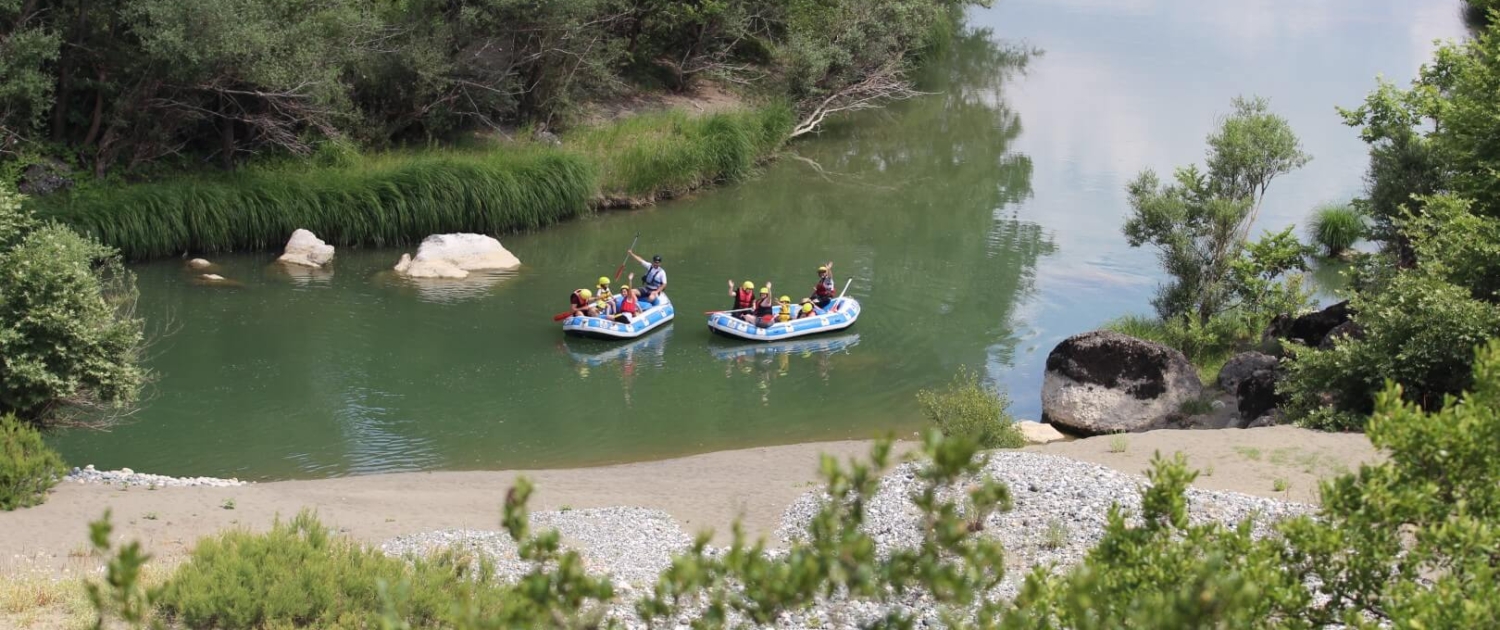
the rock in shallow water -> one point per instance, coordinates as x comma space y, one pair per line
455, 255
305, 249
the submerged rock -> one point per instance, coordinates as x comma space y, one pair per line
199, 263
306, 249
1105, 382
455, 255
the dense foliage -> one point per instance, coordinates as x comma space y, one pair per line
1407, 542
1199, 222
69, 341
27, 466
968, 409
127, 84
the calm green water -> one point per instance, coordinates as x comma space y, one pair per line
981, 225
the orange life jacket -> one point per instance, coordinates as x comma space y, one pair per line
744, 298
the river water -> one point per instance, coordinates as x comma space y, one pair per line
981, 225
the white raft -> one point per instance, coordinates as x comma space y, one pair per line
841, 314
648, 320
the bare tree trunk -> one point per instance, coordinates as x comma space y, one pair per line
226, 142
97, 119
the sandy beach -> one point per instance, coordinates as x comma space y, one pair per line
700, 492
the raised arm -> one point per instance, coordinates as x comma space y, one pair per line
638, 258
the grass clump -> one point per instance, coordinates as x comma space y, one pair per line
1118, 444
670, 152
380, 200
1335, 228
299, 574
1208, 346
28, 467
968, 409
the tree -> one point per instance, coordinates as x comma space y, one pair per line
69, 340
1199, 223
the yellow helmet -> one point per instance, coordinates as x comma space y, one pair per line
603, 281
765, 290
586, 294
807, 307
785, 299
822, 269
748, 285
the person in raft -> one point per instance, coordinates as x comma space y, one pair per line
602, 291
806, 310
629, 307
583, 304
824, 292
744, 297
655, 280
785, 313
765, 313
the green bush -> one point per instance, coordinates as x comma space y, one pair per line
302, 575
1450, 240
27, 466
1336, 228
69, 341
966, 409
381, 201
1418, 331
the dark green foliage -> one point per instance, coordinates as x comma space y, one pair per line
69, 341
967, 409
382, 201
27, 466
1458, 245
1419, 331
1335, 228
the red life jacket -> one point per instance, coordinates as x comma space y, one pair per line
824, 288
630, 306
744, 298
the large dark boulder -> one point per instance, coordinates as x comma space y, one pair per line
1347, 329
45, 178
1310, 329
1241, 366
1106, 382
1257, 394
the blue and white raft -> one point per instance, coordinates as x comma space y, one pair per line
840, 314
654, 316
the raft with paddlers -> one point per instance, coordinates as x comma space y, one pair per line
840, 314
651, 317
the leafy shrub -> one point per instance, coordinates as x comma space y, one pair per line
1450, 240
1336, 228
1208, 346
967, 409
1419, 331
68, 338
27, 466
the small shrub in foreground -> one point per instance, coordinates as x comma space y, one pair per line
969, 410
28, 467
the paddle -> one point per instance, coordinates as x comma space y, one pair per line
627, 255
562, 316
846, 287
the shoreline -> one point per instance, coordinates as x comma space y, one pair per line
698, 492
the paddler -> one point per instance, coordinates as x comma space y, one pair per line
765, 313
806, 310
629, 307
824, 291
744, 297
784, 314
582, 302
655, 280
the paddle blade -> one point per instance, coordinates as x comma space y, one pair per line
561, 316
619, 271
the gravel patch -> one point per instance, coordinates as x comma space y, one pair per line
1060, 512
128, 477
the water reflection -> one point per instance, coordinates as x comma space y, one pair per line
478, 285
595, 359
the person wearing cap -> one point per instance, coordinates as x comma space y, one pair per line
629, 308
744, 297
784, 314
583, 304
824, 291
655, 280
806, 310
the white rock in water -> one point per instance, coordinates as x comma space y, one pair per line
455, 255
212, 277
306, 249
1040, 432
199, 263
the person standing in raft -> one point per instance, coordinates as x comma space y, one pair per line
583, 303
655, 280
744, 297
825, 291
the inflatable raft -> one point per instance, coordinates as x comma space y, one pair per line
840, 314
653, 317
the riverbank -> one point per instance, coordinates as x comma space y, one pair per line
700, 492
499, 187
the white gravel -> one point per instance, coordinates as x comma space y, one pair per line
128, 477
1060, 512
